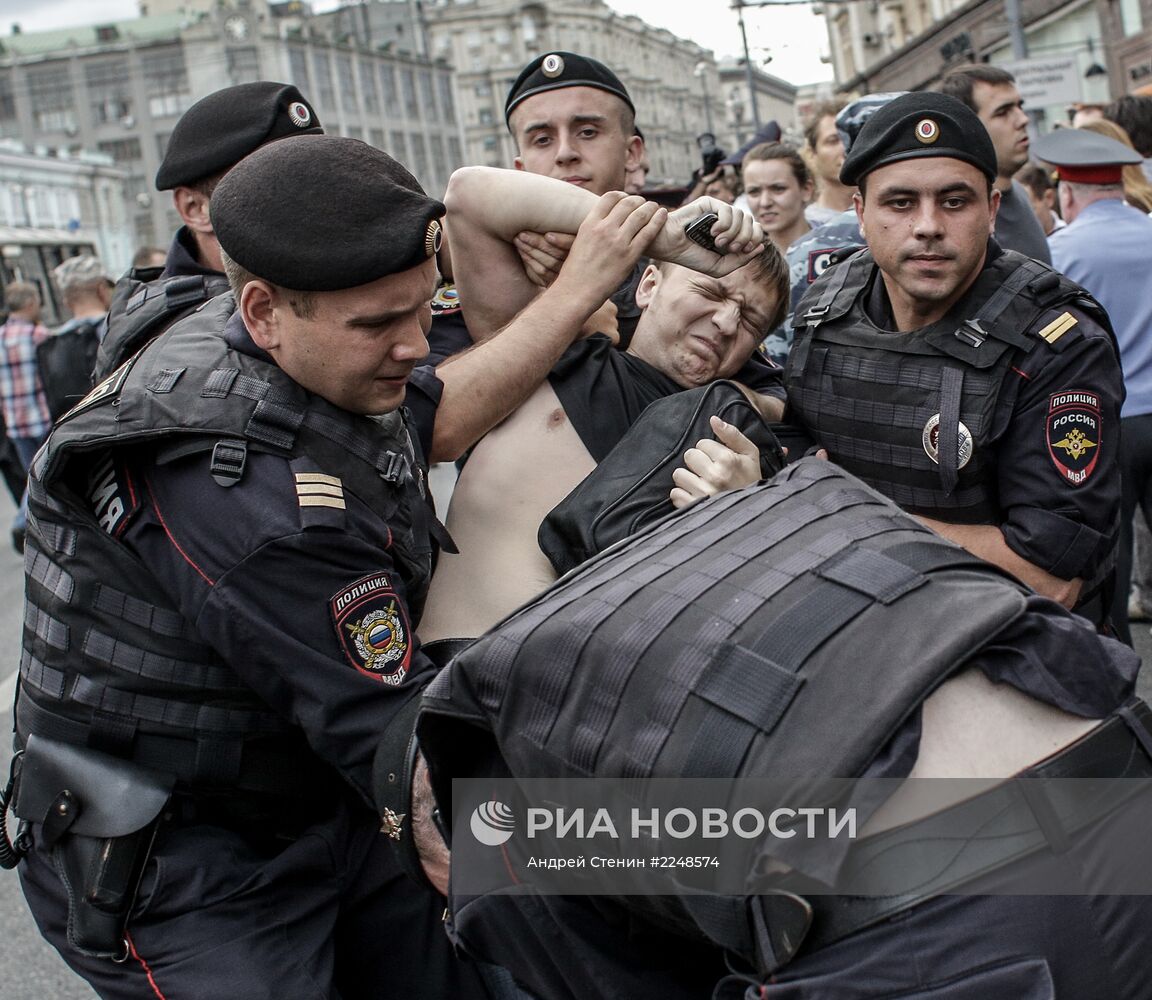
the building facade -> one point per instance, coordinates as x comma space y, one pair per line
775, 101
53, 207
1099, 49
673, 82
119, 88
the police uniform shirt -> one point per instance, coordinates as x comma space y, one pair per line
603, 390
290, 578
1063, 528
1106, 249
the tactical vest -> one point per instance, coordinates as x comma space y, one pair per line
912, 414
784, 631
108, 661
144, 306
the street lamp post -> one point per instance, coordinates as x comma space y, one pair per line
739, 5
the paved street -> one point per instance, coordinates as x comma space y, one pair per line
32, 969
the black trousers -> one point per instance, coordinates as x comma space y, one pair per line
330, 916
1136, 485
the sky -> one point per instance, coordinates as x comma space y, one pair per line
791, 36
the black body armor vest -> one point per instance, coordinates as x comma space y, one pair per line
144, 305
912, 414
108, 661
784, 631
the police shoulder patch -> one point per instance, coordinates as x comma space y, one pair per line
1073, 428
372, 628
446, 300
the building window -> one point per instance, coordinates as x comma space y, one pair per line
455, 153
486, 116
7, 98
388, 85
428, 95
1130, 19
448, 99
298, 68
243, 65
440, 169
347, 82
398, 147
419, 165
368, 87
121, 150
376, 137
355, 133
109, 89
50, 92
162, 145
408, 86
326, 95
166, 82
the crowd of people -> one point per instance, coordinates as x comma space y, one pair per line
254, 657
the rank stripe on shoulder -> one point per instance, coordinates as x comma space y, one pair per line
317, 501
317, 477
319, 490
314, 489
1058, 327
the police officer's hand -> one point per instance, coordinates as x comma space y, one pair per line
434, 854
728, 463
738, 238
543, 254
611, 239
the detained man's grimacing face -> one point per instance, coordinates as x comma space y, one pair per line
696, 328
927, 221
576, 134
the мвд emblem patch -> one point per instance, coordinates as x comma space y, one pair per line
1073, 428
372, 628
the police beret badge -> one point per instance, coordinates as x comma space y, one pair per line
552, 66
1073, 430
372, 628
927, 131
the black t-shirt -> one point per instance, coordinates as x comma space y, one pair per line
603, 390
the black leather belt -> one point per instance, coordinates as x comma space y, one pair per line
1017, 818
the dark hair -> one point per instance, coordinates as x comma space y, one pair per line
780, 151
1134, 115
960, 82
825, 109
1035, 178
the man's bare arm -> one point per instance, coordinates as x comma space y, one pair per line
489, 206
987, 542
486, 383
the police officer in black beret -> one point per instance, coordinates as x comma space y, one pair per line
572, 119
976, 387
212, 136
227, 556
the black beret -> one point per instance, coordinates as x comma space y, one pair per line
322, 212
920, 124
218, 131
563, 69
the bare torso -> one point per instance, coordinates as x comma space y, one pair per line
517, 473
